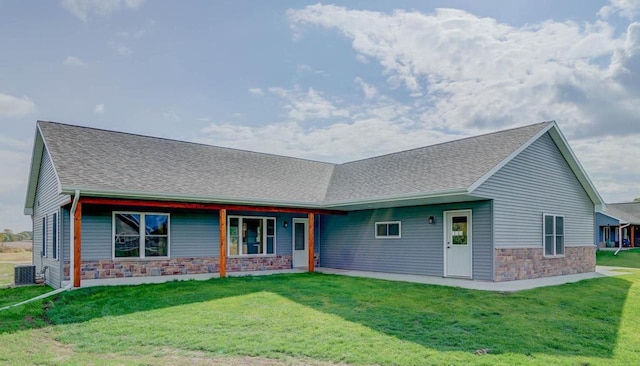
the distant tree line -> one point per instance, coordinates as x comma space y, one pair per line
8, 235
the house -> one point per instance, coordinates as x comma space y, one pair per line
620, 220
509, 205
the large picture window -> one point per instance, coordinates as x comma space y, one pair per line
553, 233
140, 235
249, 235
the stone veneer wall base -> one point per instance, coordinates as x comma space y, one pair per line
528, 263
104, 269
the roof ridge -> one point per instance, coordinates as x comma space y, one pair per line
448, 142
183, 141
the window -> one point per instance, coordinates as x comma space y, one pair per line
553, 229
140, 235
250, 235
390, 229
54, 236
44, 237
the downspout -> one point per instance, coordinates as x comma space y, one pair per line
72, 214
620, 237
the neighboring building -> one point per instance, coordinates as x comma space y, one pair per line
509, 205
619, 220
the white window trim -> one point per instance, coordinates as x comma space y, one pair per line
544, 233
264, 236
55, 238
45, 232
375, 228
141, 233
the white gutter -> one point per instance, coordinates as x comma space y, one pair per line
72, 215
43, 296
620, 237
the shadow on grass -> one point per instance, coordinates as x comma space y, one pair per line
574, 319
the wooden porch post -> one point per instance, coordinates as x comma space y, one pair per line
77, 242
311, 243
632, 238
223, 242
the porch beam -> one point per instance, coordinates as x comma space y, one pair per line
223, 243
311, 243
202, 206
77, 244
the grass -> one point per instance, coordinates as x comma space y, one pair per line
321, 319
625, 258
8, 260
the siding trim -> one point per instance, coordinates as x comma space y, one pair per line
53, 165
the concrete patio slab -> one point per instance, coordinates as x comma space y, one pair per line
508, 286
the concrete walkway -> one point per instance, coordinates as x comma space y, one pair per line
508, 286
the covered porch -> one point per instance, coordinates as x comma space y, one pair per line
242, 240
615, 236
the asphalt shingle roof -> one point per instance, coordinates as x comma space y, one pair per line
628, 213
105, 160
446, 166
101, 160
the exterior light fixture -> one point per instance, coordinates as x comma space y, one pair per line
432, 219
285, 224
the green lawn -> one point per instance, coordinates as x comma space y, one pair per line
323, 319
625, 258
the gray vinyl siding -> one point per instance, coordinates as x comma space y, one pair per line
96, 235
65, 246
65, 237
47, 201
348, 242
538, 181
195, 235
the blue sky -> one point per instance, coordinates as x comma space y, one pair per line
333, 82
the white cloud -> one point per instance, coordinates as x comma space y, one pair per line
472, 75
304, 68
476, 74
256, 91
368, 90
73, 61
309, 105
372, 135
11, 106
625, 8
81, 9
99, 109
120, 48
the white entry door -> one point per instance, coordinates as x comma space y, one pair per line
457, 244
300, 242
